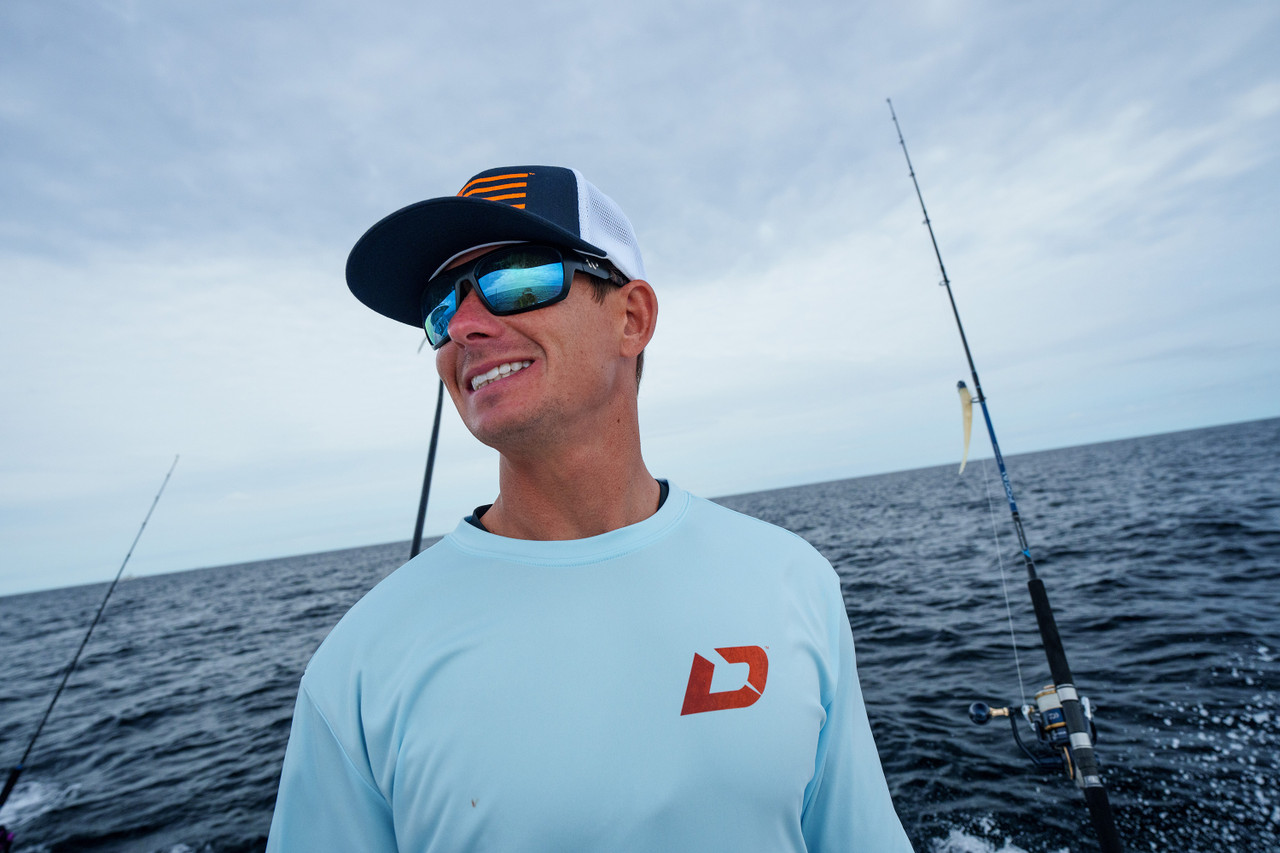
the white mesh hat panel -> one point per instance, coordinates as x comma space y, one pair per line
602, 223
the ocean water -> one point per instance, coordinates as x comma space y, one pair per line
1161, 556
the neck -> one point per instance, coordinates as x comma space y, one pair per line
576, 490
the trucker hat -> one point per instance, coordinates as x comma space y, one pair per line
390, 265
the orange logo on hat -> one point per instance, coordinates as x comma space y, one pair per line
505, 188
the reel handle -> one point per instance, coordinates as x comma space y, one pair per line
981, 713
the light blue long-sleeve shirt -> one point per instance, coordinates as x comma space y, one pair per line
685, 683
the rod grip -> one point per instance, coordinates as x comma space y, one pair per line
1049, 633
1103, 822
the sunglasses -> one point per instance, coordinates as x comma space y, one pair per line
507, 281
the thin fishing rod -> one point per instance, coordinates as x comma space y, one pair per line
426, 480
17, 768
968, 354
1086, 772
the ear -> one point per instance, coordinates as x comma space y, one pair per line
640, 305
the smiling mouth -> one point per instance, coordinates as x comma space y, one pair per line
502, 371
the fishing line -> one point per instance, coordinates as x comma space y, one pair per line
1004, 582
17, 768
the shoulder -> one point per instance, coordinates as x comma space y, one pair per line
722, 521
378, 628
752, 544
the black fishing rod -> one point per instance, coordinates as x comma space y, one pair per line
17, 768
426, 479
1062, 719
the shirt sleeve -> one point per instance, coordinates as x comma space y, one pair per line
848, 806
324, 801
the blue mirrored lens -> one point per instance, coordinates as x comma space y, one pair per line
437, 322
523, 281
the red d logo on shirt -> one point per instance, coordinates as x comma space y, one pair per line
698, 696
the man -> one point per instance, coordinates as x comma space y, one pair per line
598, 661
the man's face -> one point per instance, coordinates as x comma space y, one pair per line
559, 368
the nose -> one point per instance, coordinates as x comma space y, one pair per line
472, 320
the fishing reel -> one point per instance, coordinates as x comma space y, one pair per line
1052, 744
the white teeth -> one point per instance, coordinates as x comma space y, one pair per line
500, 372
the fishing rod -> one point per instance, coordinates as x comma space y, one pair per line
1062, 719
16, 771
426, 479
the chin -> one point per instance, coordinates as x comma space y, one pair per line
511, 434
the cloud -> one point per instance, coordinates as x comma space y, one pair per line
184, 182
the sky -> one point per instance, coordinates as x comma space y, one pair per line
182, 183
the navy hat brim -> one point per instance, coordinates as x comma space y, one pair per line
389, 266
